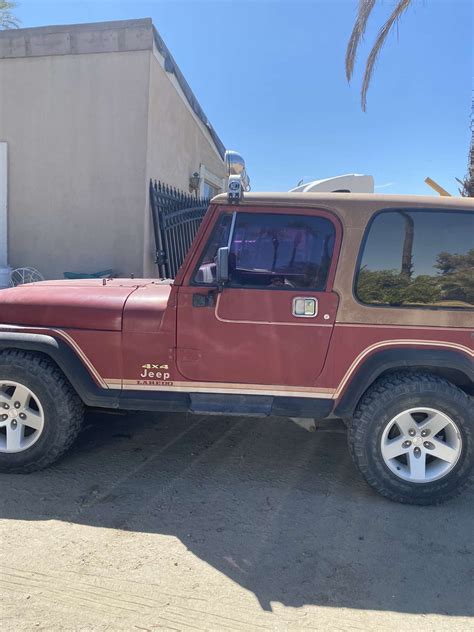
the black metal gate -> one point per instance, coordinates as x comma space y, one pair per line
176, 219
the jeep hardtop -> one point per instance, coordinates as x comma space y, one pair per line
316, 306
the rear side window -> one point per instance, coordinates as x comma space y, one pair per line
418, 259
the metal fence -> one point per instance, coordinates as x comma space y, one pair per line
176, 219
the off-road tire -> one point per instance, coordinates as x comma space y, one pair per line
63, 410
382, 402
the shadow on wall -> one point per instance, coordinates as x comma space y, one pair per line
276, 509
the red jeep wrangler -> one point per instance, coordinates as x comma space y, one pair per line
349, 306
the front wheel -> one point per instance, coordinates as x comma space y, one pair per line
40, 413
412, 438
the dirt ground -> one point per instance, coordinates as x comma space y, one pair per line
174, 522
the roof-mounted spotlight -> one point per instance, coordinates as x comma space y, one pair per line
238, 180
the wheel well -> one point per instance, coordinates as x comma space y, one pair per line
456, 377
66, 360
30, 352
455, 367
37, 354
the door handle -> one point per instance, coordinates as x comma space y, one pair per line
305, 307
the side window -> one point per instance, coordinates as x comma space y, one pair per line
418, 258
281, 251
206, 272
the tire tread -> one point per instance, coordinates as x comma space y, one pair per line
44, 369
413, 383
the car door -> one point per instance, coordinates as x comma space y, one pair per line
273, 321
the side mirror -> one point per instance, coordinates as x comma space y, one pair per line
222, 266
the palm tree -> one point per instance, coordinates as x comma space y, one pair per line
467, 184
363, 14
7, 19
407, 253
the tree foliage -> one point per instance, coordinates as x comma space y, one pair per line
467, 184
452, 285
457, 276
7, 18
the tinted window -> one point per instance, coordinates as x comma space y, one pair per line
281, 251
418, 258
206, 273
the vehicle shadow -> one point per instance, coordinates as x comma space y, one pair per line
279, 510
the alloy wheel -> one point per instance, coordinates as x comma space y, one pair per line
421, 445
21, 417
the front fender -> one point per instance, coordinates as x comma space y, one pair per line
69, 363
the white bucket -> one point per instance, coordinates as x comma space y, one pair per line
5, 277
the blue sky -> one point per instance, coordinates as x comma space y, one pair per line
270, 77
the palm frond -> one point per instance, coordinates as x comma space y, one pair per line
7, 19
7, 5
401, 7
363, 14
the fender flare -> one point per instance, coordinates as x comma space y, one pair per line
440, 361
67, 360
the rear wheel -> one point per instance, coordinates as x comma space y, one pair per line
412, 438
40, 413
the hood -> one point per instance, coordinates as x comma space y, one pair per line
83, 304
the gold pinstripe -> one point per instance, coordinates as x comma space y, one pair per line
424, 327
241, 389
394, 343
255, 389
71, 342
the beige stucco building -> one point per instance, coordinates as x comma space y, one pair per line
89, 113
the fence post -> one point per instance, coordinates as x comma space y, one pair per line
160, 257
